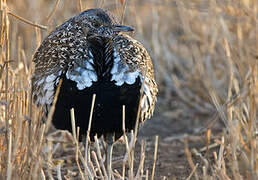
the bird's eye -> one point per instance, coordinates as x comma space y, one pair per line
96, 24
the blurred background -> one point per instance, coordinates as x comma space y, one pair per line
206, 63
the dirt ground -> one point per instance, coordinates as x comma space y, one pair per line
173, 127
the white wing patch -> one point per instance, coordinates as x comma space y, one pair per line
121, 73
48, 84
84, 75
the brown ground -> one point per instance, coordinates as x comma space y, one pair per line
172, 127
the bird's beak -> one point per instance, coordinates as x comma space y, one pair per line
123, 28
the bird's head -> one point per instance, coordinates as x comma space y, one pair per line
97, 22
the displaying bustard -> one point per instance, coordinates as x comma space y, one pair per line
91, 55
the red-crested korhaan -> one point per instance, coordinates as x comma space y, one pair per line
92, 55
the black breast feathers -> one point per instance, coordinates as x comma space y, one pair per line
91, 55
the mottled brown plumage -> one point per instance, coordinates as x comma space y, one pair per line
68, 47
91, 55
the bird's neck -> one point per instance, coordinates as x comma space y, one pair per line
102, 51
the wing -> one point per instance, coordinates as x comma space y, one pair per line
64, 52
131, 60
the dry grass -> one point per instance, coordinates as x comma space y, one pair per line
205, 52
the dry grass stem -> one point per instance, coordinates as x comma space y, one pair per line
100, 157
189, 159
205, 59
73, 123
52, 108
27, 21
195, 167
53, 10
155, 157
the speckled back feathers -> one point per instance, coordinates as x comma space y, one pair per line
67, 52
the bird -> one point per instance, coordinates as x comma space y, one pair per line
92, 54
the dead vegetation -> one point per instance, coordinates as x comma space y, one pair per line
205, 54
